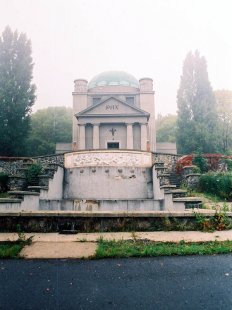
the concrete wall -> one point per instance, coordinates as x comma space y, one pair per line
166, 147
55, 186
108, 183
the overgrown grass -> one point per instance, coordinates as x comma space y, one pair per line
10, 249
144, 248
214, 198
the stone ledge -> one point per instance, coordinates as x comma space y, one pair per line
10, 200
157, 214
188, 199
37, 187
23, 193
178, 191
167, 186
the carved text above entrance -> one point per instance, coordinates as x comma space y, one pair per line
111, 107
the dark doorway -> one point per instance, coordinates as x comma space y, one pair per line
112, 145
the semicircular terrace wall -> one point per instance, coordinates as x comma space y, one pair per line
108, 175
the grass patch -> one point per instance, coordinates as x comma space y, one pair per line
10, 249
144, 248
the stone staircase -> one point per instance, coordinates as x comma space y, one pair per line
172, 194
28, 198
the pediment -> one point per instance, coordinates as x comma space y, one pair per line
112, 107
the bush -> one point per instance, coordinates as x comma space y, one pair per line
32, 174
219, 184
201, 163
228, 163
3, 182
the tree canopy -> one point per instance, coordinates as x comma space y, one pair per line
224, 110
166, 128
49, 126
197, 116
17, 93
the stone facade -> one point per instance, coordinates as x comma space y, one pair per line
114, 111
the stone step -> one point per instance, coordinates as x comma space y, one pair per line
20, 194
190, 202
37, 188
166, 175
159, 164
178, 193
10, 200
168, 186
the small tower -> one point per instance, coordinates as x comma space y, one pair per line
79, 104
147, 103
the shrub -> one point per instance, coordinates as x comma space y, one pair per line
201, 163
228, 163
32, 174
3, 182
219, 184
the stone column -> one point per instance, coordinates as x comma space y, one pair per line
129, 140
81, 136
143, 137
96, 137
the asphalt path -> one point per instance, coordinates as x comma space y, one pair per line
192, 282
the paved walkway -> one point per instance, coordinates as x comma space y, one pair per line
83, 245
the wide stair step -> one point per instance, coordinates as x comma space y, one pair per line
190, 202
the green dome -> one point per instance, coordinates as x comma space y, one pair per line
113, 78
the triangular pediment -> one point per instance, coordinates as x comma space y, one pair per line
112, 106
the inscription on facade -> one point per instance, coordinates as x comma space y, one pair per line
112, 107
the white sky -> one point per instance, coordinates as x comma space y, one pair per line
81, 38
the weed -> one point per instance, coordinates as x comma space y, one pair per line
134, 236
219, 221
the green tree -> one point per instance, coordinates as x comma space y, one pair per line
224, 110
17, 93
197, 116
166, 128
49, 126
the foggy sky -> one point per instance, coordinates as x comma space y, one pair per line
147, 38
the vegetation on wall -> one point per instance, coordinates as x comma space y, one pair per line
17, 93
197, 116
49, 126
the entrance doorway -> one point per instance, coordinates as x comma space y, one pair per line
112, 145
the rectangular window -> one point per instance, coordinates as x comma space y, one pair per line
130, 100
96, 100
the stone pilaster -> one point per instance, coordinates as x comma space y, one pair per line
129, 131
143, 137
96, 136
81, 137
